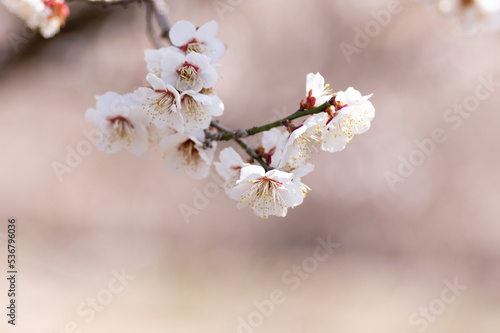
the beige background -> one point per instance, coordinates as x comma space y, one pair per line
115, 212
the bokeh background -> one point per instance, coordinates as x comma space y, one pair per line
122, 212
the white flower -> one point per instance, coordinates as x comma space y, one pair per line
273, 142
122, 123
185, 112
197, 109
316, 91
188, 72
187, 38
48, 15
53, 17
474, 14
353, 118
185, 153
217, 107
155, 134
266, 193
298, 174
27, 10
153, 60
162, 104
229, 168
302, 142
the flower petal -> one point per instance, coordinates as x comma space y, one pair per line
182, 33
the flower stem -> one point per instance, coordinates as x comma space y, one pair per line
156, 9
300, 113
230, 135
253, 153
105, 3
226, 134
243, 144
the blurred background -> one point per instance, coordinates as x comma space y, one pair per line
401, 246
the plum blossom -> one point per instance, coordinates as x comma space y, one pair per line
316, 91
184, 153
122, 122
229, 168
162, 104
302, 142
48, 16
189, 109
354, 116
175, 113
273, 142
266, 193
288, 151
186, 38
153, 60
197, 109
53, 17
188, 72
474, 14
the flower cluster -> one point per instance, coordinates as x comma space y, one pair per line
474, 14
176, 111
46, 15
288, 153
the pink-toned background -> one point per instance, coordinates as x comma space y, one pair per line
114, 212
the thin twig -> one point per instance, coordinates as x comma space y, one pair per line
160, 11
154, 8
300, 113
243, 133
253, 153
155, 39
105, 3
243, 144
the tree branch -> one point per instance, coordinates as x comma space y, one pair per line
230, 134
243, 144
160, 11
155, 39
300, 113
226, 134
106, 3
154, 8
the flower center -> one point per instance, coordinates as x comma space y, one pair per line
265, 188
193, 46
309, 103
188, 152
122, 127
194, 109
58, 9
188, 75
207, 91
164, 101
307, 143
